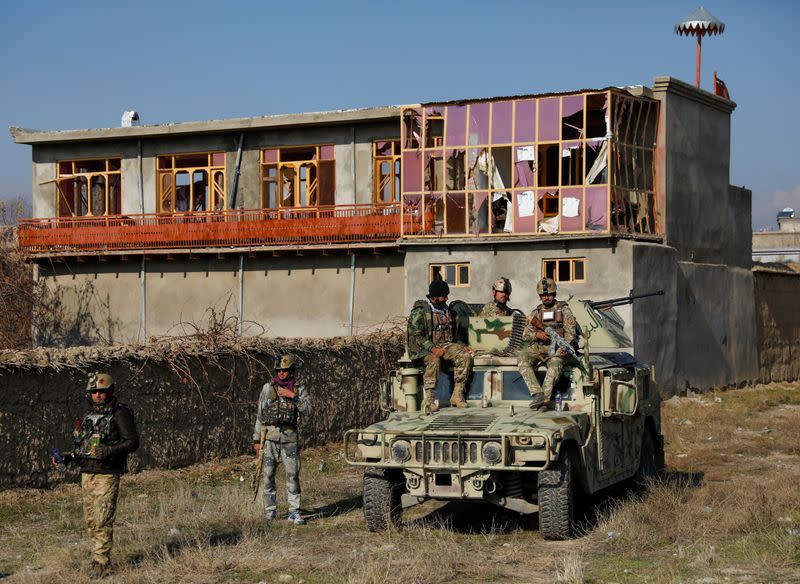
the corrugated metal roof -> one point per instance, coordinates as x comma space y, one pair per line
531, 95
700, 20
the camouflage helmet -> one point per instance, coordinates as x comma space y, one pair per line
100, 381
546, 286
502, 284
285, 362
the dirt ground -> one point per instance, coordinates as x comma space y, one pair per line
728, 510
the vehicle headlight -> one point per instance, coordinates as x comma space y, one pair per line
401, 451
492, 453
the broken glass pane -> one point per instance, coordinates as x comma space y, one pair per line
411, 128
572, 209
596, 115
596, 209
412, 216
479, 123
456, 213
478, 212
501, 167
478, 169
571, 117
571, 163
547, 158
456, 173
434, 170
524, 212
596, 162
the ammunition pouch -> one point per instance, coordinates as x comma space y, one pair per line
280, 413
95, 430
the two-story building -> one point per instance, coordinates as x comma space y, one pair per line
333, 223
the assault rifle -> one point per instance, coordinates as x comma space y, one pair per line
556, 341
259, 463
610, 303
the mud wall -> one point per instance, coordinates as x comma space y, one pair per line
194, 401
778, 321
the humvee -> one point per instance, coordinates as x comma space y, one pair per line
500, 451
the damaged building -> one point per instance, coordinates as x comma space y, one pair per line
333, 223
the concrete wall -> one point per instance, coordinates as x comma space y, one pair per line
206, 412
294, 296
608, 270
776, 297
354, 166
716, 329
704, 218
655, 319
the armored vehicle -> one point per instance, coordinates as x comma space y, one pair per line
603, 429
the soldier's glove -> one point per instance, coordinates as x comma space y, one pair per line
103, 452
561, 353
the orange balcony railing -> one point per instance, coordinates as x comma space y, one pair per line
249, 227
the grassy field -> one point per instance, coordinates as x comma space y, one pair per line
727, 511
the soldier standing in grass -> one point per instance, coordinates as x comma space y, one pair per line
103, 440
281, 402
431, 336
536, 343
501, 293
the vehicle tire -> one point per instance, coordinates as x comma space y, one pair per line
648, 462
381, 499
557, 487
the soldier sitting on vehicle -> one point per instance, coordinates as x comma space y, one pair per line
501, 293
536, 342
432, 335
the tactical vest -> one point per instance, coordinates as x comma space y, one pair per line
442, 329
552, 317
279, 413
95, 429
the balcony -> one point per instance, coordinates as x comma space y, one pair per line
237, 228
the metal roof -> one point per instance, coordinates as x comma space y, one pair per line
701, 21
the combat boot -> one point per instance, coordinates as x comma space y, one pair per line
430, 401
538, 401
457, 399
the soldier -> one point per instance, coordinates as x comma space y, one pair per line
432, 334
103, 440
501, 293
281, 402
536, 343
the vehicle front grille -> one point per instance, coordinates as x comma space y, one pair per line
447, 451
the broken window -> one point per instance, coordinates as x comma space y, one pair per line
633, 208
455, 170
298, 176
386, 171
434, 170
89, 187
596, 115
184, 186
572, 164
455, 274
412, 130
565, 270
434, 127
548, 157
572, 117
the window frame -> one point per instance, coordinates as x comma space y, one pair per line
89, 176
395, 171
458, 266
572, 263
312, 188
212, 171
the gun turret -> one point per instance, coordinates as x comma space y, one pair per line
601, 304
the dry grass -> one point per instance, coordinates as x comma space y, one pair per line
728, 511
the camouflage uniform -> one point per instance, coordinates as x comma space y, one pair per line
102, 440
493, 308
100, 492
429, 327
533, 351
280, 444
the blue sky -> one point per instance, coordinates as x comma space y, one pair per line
79, 64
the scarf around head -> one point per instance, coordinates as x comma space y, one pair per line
441, 311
